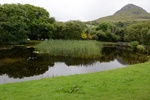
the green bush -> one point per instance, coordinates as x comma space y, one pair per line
141, 48
134, 45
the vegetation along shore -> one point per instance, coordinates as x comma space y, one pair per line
24, 23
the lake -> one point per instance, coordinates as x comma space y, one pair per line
21, 63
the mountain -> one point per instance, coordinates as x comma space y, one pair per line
129, 12
131, 9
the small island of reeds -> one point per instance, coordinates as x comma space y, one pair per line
71, 48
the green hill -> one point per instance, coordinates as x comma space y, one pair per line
131, 9
128, 13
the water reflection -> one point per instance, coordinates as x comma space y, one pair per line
63, 69
20, 63
16, 63
124, 56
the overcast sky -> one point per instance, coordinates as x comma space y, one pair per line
84, 10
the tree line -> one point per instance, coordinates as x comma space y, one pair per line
22, 22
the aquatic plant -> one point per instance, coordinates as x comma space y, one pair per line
71, 48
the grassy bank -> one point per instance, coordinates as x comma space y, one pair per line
71, 48
130, 83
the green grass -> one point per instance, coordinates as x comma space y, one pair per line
71, 48
129, 83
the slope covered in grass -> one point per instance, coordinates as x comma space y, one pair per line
128, 13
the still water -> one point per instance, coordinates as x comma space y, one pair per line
21, 64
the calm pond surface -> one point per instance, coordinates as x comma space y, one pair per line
21, 64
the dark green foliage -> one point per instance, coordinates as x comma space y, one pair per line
121, 33
141, 48
103, 27
58, 30
120, 24
134, 44
19, 22
52, 20
101, 35
138, 32
107, 32
73, 30
131, 23
39, 23
12, 26
69, 30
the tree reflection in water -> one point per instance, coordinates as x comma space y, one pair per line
20, 62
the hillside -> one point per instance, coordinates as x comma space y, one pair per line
129, 12
131, 9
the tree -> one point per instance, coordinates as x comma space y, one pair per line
58, 30
107, 32
73, 30
101, 36
19, 22
103, 27
121, 32
146, 38
12, 26
39, 22
138, 32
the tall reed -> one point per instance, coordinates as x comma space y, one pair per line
71, 48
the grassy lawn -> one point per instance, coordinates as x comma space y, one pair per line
71, 48
129, 83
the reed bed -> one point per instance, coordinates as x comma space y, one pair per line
71, 48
